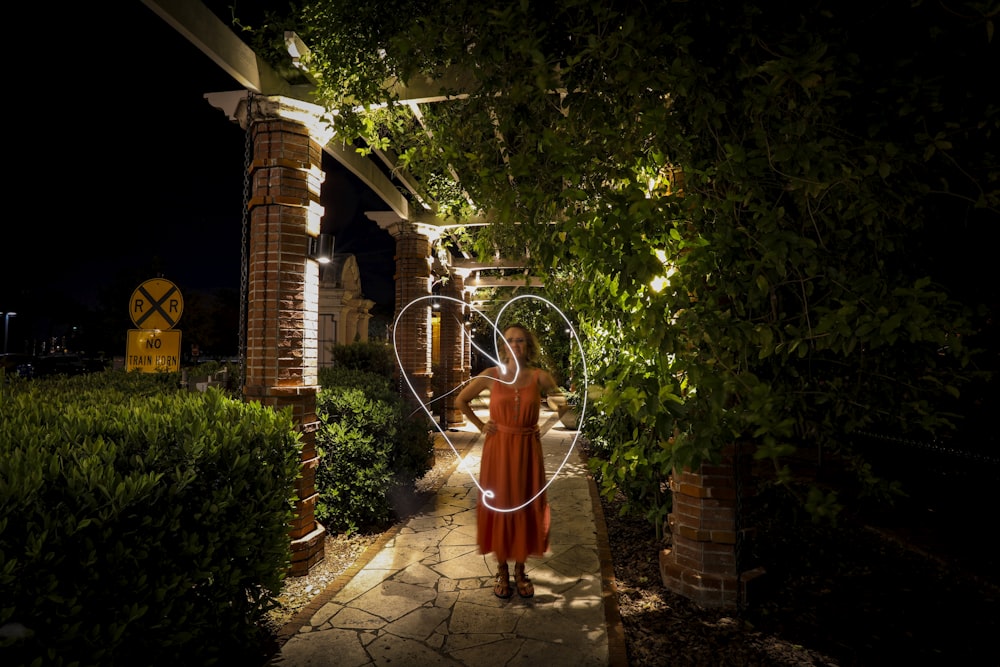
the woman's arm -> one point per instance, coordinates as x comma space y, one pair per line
547, 384
469, 393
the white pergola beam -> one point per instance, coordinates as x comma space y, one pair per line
200, 26
504, 281
214, 38
474, 265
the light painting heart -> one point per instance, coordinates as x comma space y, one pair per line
487, 494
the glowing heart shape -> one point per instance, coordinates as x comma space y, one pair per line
487, 494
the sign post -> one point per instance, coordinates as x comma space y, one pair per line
155, 347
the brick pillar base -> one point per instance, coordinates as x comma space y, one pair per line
308, 536
703, 564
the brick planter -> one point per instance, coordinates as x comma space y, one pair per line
704, 562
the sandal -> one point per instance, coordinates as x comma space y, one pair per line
524, 586
502, 586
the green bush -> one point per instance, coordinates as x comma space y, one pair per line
140, 524
633, 469
371, 357
372, 450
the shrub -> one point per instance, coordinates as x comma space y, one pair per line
635, 468
372, 449
135, 515
370, 357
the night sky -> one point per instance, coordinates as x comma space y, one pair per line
125, 172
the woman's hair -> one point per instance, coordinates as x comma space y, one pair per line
531, 356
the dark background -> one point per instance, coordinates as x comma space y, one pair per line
123, 172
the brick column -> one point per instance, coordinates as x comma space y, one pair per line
282, 319
704, 563
453, 344
412, 280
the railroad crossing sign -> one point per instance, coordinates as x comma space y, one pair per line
156, 304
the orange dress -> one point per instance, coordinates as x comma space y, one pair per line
514, 469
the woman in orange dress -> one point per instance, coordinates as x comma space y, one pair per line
512, 524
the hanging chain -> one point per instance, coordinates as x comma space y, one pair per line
244, 242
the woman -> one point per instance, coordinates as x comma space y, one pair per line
512, 466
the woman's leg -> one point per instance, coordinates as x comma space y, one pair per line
524, 586
501, 587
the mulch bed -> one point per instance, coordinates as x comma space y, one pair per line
906, 591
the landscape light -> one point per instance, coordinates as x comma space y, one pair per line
6, 323
321, 248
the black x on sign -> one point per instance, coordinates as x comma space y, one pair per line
156, 304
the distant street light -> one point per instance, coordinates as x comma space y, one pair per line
6, 322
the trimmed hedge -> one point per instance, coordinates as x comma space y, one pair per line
139, 524
369, 357
372, 448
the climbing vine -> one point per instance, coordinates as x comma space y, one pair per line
739, 200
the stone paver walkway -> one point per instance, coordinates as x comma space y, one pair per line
424, 595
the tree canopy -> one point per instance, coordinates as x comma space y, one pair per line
743, 204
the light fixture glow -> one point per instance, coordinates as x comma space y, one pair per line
6, 323
321, 248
